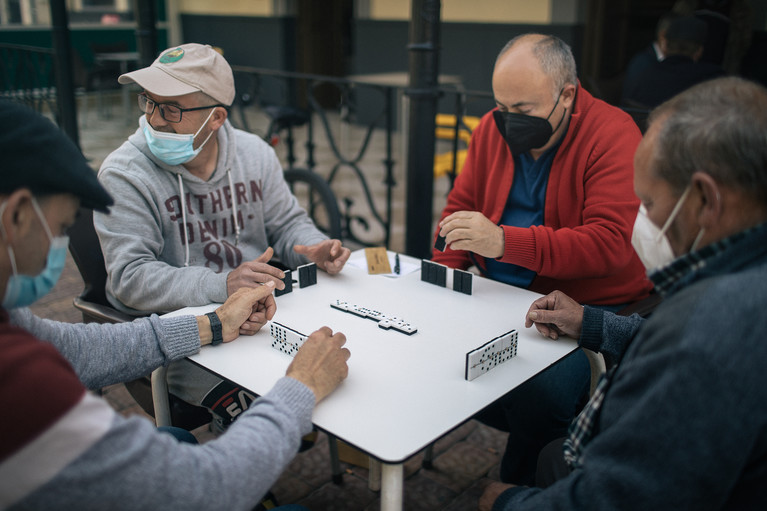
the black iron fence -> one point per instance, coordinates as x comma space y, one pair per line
27, 75
370, 107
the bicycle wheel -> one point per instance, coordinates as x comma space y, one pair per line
316, 197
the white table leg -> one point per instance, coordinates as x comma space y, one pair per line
160, 397
374, 474
392, 487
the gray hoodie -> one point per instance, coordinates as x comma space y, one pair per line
151, 266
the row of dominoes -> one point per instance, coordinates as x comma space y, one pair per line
435, 273
307, 276
286, 340
490, 354
384, 321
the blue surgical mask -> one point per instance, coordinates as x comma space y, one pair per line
24, 290
174, 148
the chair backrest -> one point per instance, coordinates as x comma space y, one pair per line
86, 251
639, 113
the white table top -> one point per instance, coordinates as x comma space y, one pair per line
403, 392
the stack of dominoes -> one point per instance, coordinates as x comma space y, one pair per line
486, 357
286, 340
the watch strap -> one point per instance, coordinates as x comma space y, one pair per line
215, 328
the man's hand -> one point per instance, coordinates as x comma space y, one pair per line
254, 273
491, 494
472, 231
320, 363
556, 314
245, 312
329, 255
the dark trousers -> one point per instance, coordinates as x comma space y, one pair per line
551, 464
537, 412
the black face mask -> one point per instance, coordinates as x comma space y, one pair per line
524, 132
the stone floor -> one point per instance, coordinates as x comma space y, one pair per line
464, 460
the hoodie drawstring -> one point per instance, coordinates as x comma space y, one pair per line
234, 208
183, 218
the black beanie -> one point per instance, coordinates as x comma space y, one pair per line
36, 154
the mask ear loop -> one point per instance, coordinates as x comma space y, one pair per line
695, 243
201, 127
702, 231
41, 217
674, 213
559, 96
11, 254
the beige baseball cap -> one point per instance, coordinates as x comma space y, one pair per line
185, 69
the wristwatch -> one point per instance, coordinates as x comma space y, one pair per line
215, 328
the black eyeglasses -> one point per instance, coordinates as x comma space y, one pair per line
170, 113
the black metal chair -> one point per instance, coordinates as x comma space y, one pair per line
93, 304
638, 112
86, 252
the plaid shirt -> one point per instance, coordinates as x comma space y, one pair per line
679, 273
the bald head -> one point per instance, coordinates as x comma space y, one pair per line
535, 76
552, 56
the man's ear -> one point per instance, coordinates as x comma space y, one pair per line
568, 96
218, 118
710, 206
17, 215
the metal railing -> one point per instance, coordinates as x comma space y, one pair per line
301, 90
27, 75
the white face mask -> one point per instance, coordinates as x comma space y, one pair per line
650, 244
657, 255
174, 148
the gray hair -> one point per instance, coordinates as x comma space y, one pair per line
718, 127
554, 56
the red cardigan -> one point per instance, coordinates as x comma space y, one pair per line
584, 246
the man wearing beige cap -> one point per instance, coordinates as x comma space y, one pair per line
200, 207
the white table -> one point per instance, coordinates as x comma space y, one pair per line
403, 392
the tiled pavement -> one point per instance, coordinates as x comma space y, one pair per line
464, 460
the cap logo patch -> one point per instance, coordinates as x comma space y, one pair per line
171, 56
